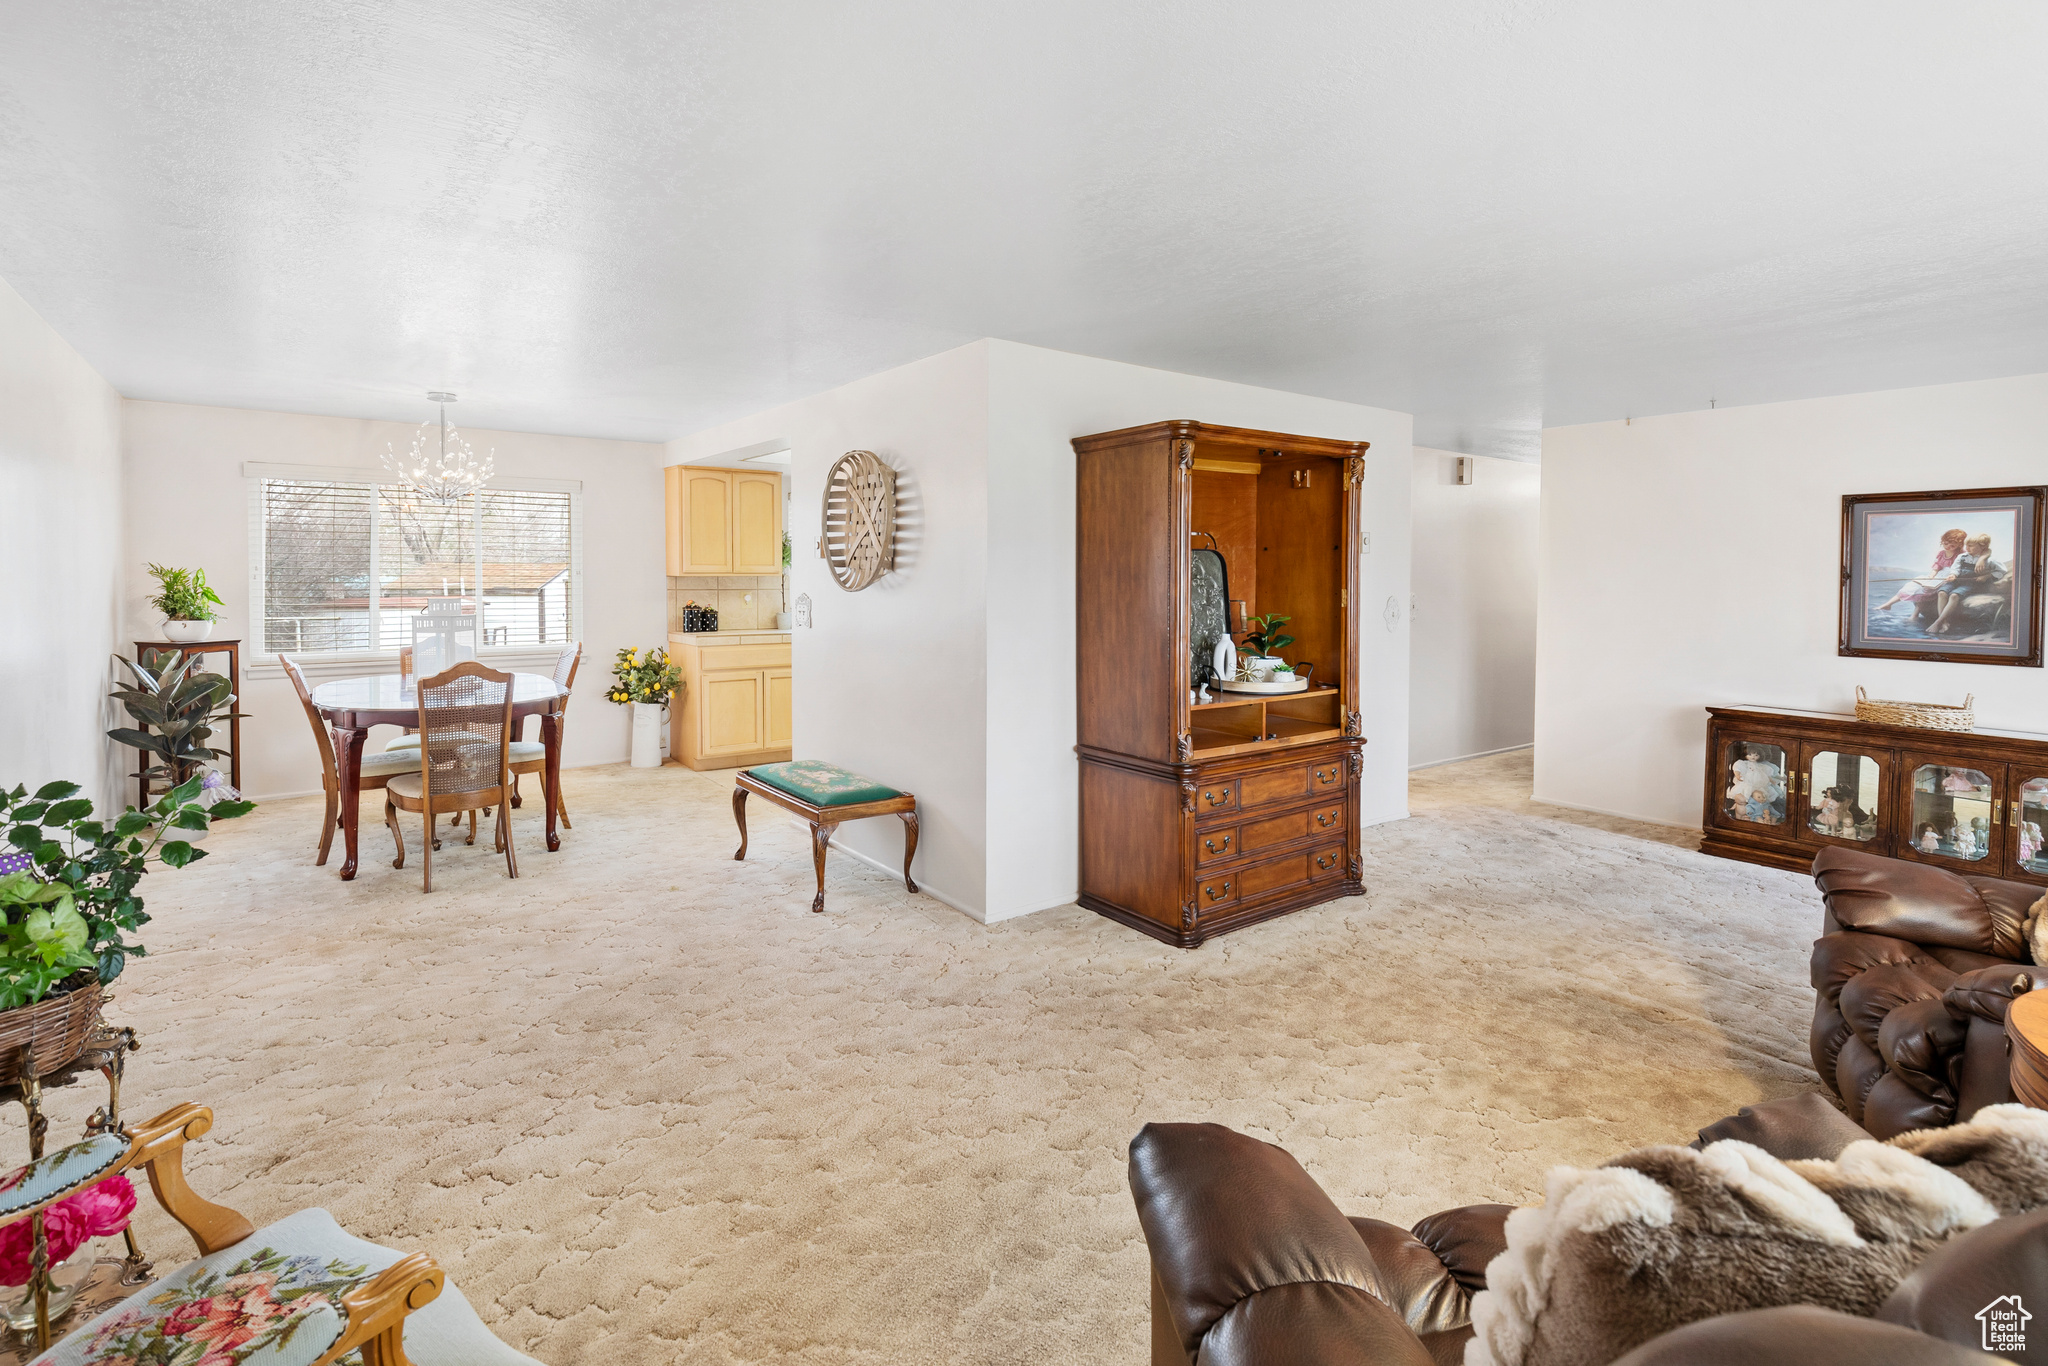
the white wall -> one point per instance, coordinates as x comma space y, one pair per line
1474, 566
1694, 559
892, 681
60, 464
1039, 401
953, 677
188, 505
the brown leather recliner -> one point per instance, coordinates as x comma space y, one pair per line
1912, 974
1252, 1265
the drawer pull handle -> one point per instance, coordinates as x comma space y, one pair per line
1218, 796
1210, 845
1327, 818
1326, 861
1218, 890
1326, 775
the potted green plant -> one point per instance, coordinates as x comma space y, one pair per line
1263, 642
186, 602
646, 682
176, 705
67, 891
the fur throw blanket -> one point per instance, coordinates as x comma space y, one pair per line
1662, 1237
2035, 930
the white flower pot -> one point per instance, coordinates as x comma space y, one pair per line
647, 734
783, 620
187, 632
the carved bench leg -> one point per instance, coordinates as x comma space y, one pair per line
739, 813
821, 837
909, 845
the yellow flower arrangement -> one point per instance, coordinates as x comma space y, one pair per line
652, 679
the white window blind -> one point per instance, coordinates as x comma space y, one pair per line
344, 565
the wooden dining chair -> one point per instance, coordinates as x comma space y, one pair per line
378, 769
529, 757
465, 734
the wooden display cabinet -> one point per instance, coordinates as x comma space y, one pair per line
1199, 818
1828, 778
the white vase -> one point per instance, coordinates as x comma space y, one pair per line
187, 632
1225, 659
783, 620
647, 734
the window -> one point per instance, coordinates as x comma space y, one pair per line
343, 563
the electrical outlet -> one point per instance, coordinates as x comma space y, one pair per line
803, 609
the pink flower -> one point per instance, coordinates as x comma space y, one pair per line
98, 1210
105, 1205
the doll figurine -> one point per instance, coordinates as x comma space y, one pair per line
1926, 840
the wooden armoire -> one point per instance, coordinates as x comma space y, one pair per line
1199, 818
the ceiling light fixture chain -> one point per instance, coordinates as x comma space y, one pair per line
448, 470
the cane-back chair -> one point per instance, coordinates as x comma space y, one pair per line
465, 731
377, 768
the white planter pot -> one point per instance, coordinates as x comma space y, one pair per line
647, 734
783, 620
187, 632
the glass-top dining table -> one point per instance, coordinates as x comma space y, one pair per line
350, 706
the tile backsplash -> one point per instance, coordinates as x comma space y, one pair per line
728, 593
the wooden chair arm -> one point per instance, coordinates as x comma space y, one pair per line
376, 1310
158, 1147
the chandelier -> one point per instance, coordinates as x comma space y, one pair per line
445, 469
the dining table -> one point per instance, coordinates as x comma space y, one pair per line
350, 706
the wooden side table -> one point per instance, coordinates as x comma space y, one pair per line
2026, 1029
233, 650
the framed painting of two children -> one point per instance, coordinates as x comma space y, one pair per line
1953, 576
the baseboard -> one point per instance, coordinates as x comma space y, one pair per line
1618, 815
895, 874
1482, 754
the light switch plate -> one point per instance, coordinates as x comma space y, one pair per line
803, 609
1365, 543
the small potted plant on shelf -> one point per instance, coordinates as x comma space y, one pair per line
1263, 642
645, 682
186, 602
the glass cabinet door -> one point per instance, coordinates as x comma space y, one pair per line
1951, 814
1754, 787
1841, 796
2028, 813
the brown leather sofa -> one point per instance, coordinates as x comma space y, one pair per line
1252, 1265
1912, 974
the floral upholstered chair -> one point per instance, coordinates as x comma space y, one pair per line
301, 1292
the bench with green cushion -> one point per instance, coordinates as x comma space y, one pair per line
825, 796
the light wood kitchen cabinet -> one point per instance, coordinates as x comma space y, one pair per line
723, 521
735, 706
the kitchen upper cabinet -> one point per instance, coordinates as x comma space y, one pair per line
756, 522
723, 521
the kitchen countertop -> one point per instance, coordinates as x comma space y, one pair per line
768, 635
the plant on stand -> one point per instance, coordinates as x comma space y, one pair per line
176, 705
646, 682
68, 897
186, 603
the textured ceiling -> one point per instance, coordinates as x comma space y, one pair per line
635, 219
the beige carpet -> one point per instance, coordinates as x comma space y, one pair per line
645, 1108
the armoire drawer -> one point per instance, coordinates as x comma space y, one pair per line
1218, 844
1326, 863
1274, 831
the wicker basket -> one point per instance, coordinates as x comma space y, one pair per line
56, 1025
1925, 715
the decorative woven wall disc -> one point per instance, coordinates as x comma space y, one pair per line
860, 519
